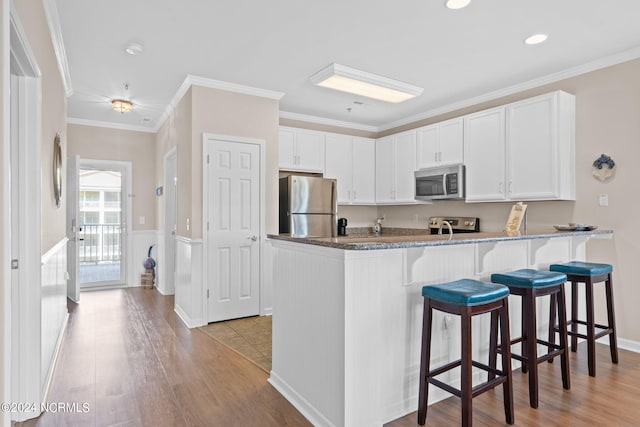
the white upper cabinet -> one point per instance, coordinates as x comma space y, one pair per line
522, 151
395, 167
541, 147
440, 144
301, 150
484, 146
351, 161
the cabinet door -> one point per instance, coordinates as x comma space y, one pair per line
451, 142
286, 144
385, 172
364, 171
484, 153
405, 166
427, 147
532, 149
338, 164
310, 151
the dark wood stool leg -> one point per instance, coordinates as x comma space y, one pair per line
493, 344
531, 351
466, 382
574, 315
424, 362
552, 322
523, 332
613, 339
591, 330
505, 339
564, 357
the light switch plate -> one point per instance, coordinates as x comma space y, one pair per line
603, 200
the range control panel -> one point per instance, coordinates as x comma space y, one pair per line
459, 224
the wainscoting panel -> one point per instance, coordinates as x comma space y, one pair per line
190, 304
54, 308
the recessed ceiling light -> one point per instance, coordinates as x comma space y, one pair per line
535, 39
457, 4
134, 49
347, 79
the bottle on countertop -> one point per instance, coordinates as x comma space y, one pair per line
342, 226
377, 227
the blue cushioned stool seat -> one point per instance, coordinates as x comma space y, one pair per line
580, 268
528, 278
466, 292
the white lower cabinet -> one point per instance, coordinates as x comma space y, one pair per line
351, 161
395, 167
522, 151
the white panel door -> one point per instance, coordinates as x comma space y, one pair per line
233, 247
73, 214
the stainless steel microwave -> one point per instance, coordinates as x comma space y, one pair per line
440, 183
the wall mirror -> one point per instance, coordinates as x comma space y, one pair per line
57, 170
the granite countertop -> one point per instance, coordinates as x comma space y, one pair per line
410, 238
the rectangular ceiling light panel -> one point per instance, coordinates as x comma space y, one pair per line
347, 79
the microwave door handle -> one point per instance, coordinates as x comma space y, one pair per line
444, 185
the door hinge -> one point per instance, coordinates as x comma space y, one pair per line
207, 293
207, 159
14, 264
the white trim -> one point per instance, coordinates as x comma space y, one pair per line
325, 121
127, 200
53, 21
5, 271
209, 137
54, 361
233, 87
163, 238
51, 252
600, 63
623, 344
300, 403
119, 126
188, 240
188, 321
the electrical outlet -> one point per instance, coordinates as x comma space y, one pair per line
603, 200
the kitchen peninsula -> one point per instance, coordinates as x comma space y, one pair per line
347, 318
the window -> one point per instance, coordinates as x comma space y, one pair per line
89, 199
89, 217
111, 199
112, 217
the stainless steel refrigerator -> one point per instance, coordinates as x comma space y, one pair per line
308, 206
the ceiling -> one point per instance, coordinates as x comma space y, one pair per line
455, 55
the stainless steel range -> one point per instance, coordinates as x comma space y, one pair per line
458, 224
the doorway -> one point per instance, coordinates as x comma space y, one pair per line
233, 224
103, 218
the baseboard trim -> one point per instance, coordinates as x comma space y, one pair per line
299, 402
54, 361
188, 321
624, 344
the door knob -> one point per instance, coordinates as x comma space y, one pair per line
253, 238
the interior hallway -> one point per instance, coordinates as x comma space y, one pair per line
128, 356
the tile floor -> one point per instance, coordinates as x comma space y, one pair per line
250, 336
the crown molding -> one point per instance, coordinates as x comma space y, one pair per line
192, 80
325, 121
119, 126
604, 62
232, 87
53, 21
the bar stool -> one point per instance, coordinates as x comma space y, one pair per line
466, 298
531, 284
589, 273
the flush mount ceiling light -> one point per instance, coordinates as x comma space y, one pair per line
535, 39
121, 105
134, 49
347, 79
457, 4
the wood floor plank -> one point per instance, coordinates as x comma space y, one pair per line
128, 356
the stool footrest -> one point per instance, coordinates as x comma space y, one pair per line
479, 389
605, 330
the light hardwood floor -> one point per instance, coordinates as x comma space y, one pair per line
128, 356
